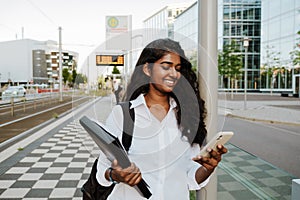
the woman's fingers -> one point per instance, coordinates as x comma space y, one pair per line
130, 175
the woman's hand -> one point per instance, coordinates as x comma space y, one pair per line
209, 163
130, 175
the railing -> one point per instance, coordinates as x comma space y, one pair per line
13, 104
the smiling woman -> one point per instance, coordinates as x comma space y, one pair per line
168, 129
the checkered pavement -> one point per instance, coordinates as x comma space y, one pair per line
60, 163
56, 169
244, 176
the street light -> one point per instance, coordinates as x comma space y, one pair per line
246, 45
60, 67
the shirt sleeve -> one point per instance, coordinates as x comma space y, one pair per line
114, 125
192, 183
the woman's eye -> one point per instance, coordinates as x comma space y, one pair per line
178, 68
165, 67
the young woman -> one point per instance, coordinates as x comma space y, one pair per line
168, 131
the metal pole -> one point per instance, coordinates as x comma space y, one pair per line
60, 67
267, 81
208, 78
88, 74
245, 78
246, 44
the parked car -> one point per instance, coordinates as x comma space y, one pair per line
13, 91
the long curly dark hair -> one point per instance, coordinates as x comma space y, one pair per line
190, 107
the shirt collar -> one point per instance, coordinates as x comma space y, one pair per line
141, 100
138, 101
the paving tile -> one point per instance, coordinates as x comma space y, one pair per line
59, 167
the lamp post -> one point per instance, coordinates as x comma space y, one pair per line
246, 45
60, 67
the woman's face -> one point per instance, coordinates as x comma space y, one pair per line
165, 73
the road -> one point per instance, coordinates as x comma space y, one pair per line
276, 144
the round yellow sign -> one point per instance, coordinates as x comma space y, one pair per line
113, 22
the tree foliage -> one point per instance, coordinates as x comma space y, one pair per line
295, 54
115, 70
74, 75
80, 78
230, 61
66, 75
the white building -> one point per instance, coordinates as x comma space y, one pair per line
186, 31
30, 61
160, 24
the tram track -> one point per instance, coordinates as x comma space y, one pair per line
11, 126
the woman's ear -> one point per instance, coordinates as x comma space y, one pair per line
146, 69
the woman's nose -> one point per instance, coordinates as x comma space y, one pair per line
173, 72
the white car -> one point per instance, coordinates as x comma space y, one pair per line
13, 91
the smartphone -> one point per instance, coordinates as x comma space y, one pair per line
219, 138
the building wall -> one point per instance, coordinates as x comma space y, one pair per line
280, 24
30, 61
16, 61
161, 24
186, 28
39, 66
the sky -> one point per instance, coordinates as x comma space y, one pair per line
82, 21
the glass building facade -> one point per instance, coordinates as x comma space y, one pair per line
239, 19
186, 32
280, 24
161, 24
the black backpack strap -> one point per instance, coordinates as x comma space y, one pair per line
92, 190
128, 124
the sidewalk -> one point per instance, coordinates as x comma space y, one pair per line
261, 107
55, 162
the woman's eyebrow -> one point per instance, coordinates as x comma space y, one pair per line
167, 62
170, 63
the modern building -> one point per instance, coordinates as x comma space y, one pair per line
160, 24
30, 61
240, 20
280, 24
186, 31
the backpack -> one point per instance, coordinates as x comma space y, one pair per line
91, 189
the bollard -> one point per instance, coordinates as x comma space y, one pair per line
295, 189
24, 107
12, 106
34, 104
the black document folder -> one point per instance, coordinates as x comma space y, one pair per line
112, 148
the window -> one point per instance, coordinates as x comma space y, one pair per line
226, 29
226, 12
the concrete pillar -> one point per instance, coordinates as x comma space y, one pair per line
295, 189
208, 77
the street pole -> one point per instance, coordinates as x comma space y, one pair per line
60, 67
208, 78
88, 75
246, 44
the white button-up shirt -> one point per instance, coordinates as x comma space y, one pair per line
163, 156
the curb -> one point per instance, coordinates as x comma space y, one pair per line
262, 120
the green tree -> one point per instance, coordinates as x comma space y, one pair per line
74, 75
66, 75
80, 78
270, 65
230, 62
295, 54
115, 70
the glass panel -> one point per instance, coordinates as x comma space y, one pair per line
226, 29
226, 12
